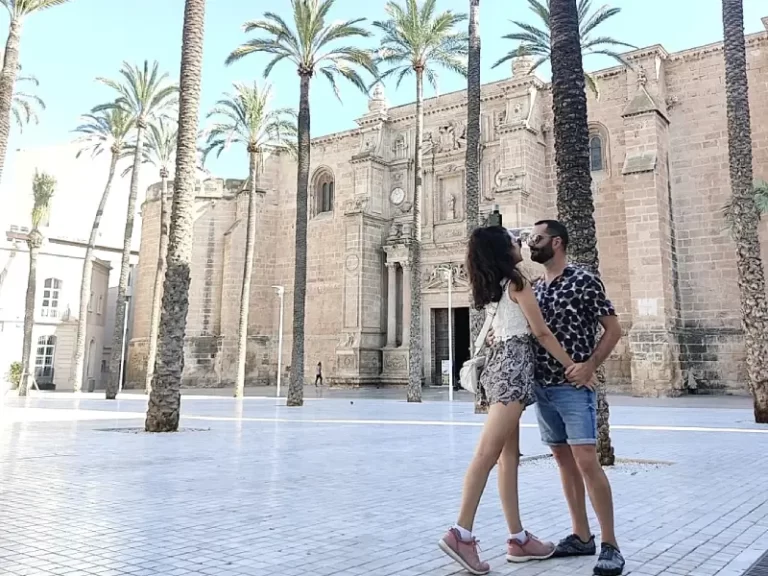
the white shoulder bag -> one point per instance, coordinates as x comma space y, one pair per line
469, 376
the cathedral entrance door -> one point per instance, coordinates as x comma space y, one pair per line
439, 324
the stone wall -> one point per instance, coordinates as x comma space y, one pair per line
665, 256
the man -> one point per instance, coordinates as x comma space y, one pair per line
573, 303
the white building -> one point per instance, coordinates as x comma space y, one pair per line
80, 183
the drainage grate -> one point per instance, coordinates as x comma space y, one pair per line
759, 568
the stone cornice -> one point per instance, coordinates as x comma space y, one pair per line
501, 91
367, 157
751, 40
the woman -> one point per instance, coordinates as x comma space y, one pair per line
493, 257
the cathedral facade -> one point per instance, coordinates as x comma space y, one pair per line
659, 159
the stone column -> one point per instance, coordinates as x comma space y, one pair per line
392, 304
406, 303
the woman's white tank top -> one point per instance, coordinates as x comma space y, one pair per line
509, 321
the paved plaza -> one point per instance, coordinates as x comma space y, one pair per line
353, 484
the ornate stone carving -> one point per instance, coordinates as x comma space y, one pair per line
378, 101
348, 340
451, 207
642, 77
671, 102
452, 137
351, 262
395, 361
449, 232
400, 147
358, 204
436, 277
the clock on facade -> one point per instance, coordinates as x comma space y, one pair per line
397, 196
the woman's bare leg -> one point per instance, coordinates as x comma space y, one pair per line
496, 432
509, 463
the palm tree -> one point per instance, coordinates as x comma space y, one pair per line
312, 46
18, 11
146, 96
246, 119
537, 41
745, 215
416, 40
101, 131
473, 162
43, 187
160, 151
575, 205
165, 397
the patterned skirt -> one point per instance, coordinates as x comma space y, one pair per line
508, 373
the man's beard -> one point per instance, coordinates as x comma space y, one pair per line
543, 254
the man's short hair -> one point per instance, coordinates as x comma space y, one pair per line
556, 229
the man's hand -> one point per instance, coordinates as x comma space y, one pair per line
489, 338
581, 374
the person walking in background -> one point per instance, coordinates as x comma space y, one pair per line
319, 374
501, 289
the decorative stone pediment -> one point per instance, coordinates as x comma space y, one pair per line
436, 277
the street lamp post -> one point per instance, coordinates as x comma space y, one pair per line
448, 269
280, 290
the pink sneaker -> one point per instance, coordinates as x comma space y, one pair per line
465, 553
533, 549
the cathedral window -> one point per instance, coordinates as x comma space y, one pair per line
322, 192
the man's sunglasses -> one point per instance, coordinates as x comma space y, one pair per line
535, 239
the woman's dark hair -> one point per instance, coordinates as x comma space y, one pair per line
489, 262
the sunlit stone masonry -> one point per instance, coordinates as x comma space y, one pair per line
658, 145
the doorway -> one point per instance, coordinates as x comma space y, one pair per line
439, 322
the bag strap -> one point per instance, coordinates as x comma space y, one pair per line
480, 341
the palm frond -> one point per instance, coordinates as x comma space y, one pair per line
728, 210
309, 43
20, 8
245, 117
598, 17
43, 187
104, 130
761, 196
144, 92
589, 81
419, 38
536, 41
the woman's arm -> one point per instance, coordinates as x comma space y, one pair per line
526, 299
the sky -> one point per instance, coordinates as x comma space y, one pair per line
68, 47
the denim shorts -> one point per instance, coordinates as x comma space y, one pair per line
566, 414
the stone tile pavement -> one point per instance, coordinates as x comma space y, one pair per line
350, 486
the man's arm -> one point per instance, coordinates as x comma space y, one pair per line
608, 341
582, 374
606, 314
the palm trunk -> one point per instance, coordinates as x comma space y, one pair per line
85, 284
157, 291
473, 119
296, 388
165, 398
574, 181
415, 352
7, 85
751, 277
34, 243
118, 336
476, 317
245, 294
